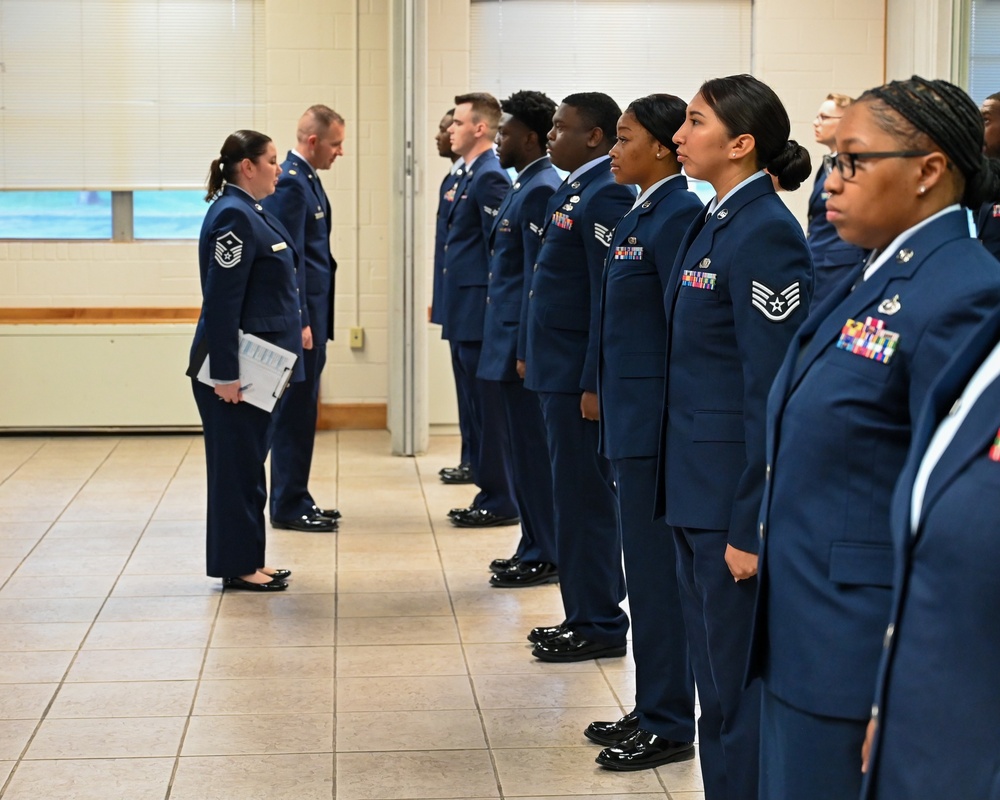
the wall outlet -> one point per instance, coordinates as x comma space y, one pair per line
357, 338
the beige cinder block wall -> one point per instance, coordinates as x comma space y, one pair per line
806, 50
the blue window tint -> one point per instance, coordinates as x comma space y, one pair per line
168, 214
55, 215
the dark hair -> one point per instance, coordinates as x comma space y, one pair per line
747, 105
661, 115
921, 112
485, 107
533, 109
239, 145
598, 111
995, 96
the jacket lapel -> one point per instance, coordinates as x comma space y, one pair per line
901, 266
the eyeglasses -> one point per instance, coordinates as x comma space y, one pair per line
823, 118
846, 163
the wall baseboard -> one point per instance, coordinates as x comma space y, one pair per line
352, 416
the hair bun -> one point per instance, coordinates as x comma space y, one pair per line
791, 166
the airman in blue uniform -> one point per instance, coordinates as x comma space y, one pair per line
988, 217
938, 699
302, 206
839, 422
514, 242
738, 290
464, 279
833, 258
248, 266
630, 395
446, 197
561, 353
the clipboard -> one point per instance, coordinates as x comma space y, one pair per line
265, 370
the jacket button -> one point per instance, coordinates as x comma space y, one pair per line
444, 271
761, 531
888, 636
487, 299
490, 276
491, 254
531, 294
446, 248
767, 472
535, 268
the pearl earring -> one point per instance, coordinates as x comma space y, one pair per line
922, 189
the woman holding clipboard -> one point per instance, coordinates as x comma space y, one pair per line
248, 281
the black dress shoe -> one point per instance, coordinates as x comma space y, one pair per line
456, 511
281, 574
272, 585
481, 518
329, 513
569, 647
465, 466
644, 750
503, 564
457, 476
612, 733
539, 635
526, 573
307, 522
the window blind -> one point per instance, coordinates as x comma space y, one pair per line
125, 94
984, 49
625, 48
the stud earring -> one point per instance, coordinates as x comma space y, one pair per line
922, 190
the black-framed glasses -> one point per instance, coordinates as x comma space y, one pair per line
846, 163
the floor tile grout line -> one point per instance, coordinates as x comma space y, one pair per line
461, 640
62, 681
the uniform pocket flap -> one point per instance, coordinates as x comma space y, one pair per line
641, 365
573, 319
861, 564
509, 312
719, 426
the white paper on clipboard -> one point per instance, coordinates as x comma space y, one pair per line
265, 370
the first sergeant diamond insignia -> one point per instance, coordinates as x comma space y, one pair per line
228, 250
775, 306
603, 234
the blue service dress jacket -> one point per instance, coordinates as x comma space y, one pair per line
633, 329
738, 291
249, 282
840, 417
446, 197
938, 697
466, 257
988, 227
513, 244
562, 317
301, 204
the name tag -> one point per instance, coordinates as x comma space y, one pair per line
319, 215
279, 246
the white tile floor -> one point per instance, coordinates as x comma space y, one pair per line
389, 670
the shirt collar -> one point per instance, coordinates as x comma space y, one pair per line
642, 198
579, 171
716, 202
894, 246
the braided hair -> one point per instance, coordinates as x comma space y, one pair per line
948, 117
